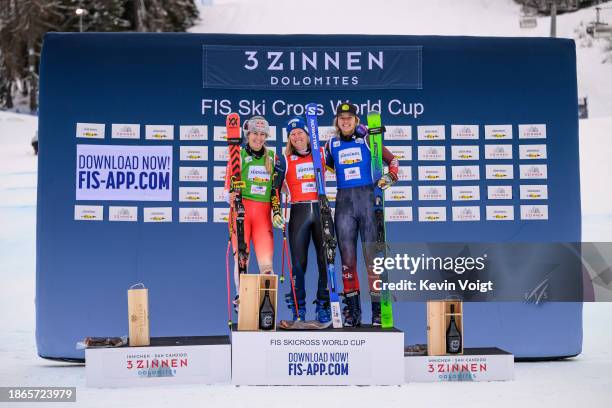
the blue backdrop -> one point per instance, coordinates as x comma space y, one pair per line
85, 267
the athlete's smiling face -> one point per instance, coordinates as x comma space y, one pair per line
256, 140
299, 139
347, 123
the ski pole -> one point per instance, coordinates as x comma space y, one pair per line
282, 278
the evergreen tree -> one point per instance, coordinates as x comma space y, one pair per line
23, 24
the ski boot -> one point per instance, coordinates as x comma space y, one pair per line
352, 310
376, 319
301, 312
323, 310
236, 302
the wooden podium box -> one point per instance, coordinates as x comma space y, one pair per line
438, 318
252, 290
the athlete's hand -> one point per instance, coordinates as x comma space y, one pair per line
385, 181
277, 220
361, 130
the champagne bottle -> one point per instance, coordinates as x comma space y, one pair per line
266, 311
453, 335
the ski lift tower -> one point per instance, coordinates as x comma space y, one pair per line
599, 28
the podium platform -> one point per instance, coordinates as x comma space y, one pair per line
351, 356
475, 364
168, 360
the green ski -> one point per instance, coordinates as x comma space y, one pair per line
376, 137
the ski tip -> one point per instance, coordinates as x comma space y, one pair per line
232, 120
311, 109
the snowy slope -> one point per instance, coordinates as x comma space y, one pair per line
499, 18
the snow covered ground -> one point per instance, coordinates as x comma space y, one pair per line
584, 380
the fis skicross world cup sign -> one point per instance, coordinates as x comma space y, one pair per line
299, 68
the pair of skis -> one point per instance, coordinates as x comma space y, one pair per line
234, 140
375, 130
327, 224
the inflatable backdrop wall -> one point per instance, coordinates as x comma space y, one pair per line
132, 156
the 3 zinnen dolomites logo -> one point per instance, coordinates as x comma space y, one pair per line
303, 66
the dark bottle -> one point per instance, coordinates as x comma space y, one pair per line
266, 311
453, 335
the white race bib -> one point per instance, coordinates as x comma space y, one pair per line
258, 174
310, 187
350, 156
305, 171
258, 190
352, 173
